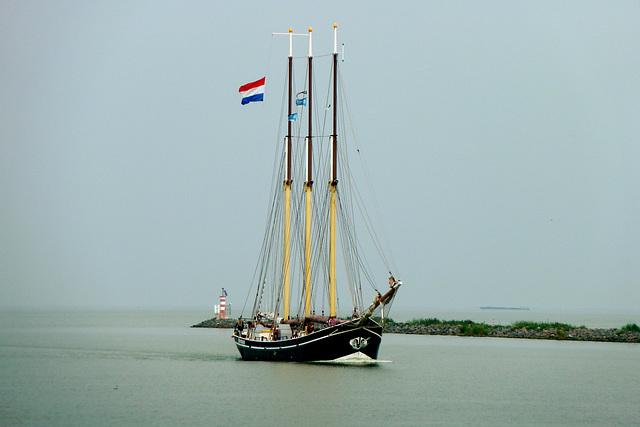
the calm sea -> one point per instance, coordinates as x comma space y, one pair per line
147, 367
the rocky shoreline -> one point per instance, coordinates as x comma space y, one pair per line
527, 330
217, 323
569, 334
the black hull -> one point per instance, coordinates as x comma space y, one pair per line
326, 344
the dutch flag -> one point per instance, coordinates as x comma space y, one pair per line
252, 92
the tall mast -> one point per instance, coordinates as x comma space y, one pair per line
307, 190
333, 184
287, 189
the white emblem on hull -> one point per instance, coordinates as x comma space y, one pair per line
359, 343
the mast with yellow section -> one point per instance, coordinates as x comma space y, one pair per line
333, 184
307, 191
287, 192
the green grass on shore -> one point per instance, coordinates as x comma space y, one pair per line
537, 326
471, 328
522, 324
630, 327
435, 321
475, 329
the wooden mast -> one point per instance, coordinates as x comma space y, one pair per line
334, 181
307, 190
287, 191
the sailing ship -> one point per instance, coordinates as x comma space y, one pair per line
298, 256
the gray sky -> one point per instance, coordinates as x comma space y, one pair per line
504, 138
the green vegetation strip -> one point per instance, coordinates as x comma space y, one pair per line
630, 327
520, 329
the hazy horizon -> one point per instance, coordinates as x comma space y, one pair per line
503, 139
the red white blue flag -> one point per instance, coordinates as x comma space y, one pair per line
252, 92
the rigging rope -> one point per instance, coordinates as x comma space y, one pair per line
368, 180
269, 272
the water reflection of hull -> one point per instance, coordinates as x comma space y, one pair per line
326, 344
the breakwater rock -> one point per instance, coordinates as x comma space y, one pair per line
528, 330
498, 331
217, 323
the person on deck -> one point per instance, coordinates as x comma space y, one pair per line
332, 321
239, 326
